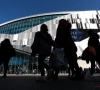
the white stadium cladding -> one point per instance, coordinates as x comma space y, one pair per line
21, 31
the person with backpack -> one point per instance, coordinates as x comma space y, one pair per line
42, 47
93, 45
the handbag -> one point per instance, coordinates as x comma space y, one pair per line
57, 59
35, 44
92, 50
88, 54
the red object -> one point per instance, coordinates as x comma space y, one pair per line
97, 87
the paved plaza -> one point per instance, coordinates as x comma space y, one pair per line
27, 82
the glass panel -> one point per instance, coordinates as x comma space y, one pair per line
25, 24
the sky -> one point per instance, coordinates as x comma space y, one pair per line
13, 9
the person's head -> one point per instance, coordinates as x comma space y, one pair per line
44, 28
64, 23
90, 32
69, 25
61, 22
7, 41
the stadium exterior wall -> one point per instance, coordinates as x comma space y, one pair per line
21, 31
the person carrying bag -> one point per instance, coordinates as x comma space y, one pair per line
57, 59
88, 54
42, 47
92, 52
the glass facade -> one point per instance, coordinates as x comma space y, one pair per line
24, 24
23, 63
21, 33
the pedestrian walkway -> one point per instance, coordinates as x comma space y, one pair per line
27, 82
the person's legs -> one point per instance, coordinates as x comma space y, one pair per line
5, 67
98, 60
72, 60
72, 70
55, 75
42, 65
79, 74
92, 70
69, 70
1, 61
76, 66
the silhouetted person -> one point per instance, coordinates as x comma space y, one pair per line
60, 35
94, 42
42, 46
6, 52
64, 40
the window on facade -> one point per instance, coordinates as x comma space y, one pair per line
78, 20
92, 21
93, 26
77, 16
95, 20
73, 20
98, 21
97, 16
15, 37
25, 24
78, 25
24, 42
86, 20
57, 21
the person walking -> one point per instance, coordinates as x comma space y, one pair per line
64, 40
6, 52
94, 42
42, 47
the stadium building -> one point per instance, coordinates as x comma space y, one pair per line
21, 33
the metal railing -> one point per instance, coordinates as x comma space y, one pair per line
21, 51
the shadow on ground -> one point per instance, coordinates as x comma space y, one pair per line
63, 83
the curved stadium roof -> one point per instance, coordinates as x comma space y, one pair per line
44, 14
38, 15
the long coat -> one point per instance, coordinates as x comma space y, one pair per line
42, 43
64, 39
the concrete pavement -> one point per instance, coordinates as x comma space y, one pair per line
27, 82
